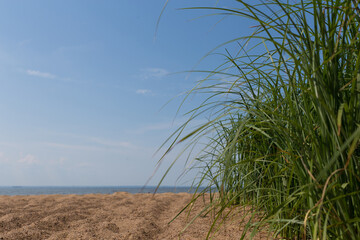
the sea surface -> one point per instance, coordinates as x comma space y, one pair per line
39, 190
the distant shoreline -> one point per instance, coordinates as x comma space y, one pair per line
81, 190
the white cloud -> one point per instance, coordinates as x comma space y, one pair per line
73, 146
58, 161
29, 159
24, 42
90, 143
170, 125
153, 73
110, 143
160, 126
100, 145
3, 159
8, 144
157, 127
61, 160
36, 73
143, 91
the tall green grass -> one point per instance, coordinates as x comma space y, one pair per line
284, 119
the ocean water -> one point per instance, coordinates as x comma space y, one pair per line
39, 190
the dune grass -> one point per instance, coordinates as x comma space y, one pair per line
284, 119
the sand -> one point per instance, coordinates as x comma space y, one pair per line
107, 216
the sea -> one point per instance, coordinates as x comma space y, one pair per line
40, 190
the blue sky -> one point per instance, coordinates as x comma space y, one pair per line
83, 84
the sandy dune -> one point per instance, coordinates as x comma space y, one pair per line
101, 216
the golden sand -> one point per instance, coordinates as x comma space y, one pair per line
106, 216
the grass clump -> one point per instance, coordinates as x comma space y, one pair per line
284, 118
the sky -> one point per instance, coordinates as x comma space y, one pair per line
90, 90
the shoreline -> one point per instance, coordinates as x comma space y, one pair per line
46, 190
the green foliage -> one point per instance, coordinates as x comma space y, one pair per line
284, 119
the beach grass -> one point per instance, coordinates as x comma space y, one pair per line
283, 115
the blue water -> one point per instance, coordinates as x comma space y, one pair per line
19, 190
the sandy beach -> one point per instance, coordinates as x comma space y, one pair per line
107, 216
